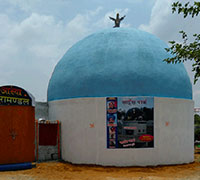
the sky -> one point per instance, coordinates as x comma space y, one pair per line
35, 34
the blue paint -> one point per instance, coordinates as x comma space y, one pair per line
118, 62
18, 166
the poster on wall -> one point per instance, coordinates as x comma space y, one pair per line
111, 121
13, 95
130, 122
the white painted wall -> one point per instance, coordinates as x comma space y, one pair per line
81, 144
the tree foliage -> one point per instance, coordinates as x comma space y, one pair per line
197, 126
197, 119
197, 134
186, 51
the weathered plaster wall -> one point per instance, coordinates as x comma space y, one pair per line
41, 110
81, 144
47, 153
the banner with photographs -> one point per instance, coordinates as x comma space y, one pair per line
130, 122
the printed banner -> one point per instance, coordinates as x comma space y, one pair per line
12, 95
130, 122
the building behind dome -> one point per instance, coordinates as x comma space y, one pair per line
120, 104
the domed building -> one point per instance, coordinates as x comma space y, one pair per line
120, 104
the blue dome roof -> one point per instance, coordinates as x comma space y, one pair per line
118, 62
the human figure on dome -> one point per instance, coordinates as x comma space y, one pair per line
117, 20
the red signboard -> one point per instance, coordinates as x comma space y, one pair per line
146, 138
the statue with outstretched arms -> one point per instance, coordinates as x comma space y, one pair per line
117, 20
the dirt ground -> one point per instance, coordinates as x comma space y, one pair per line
59, 170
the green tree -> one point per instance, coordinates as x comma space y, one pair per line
197, 119
197, 126
186, 51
